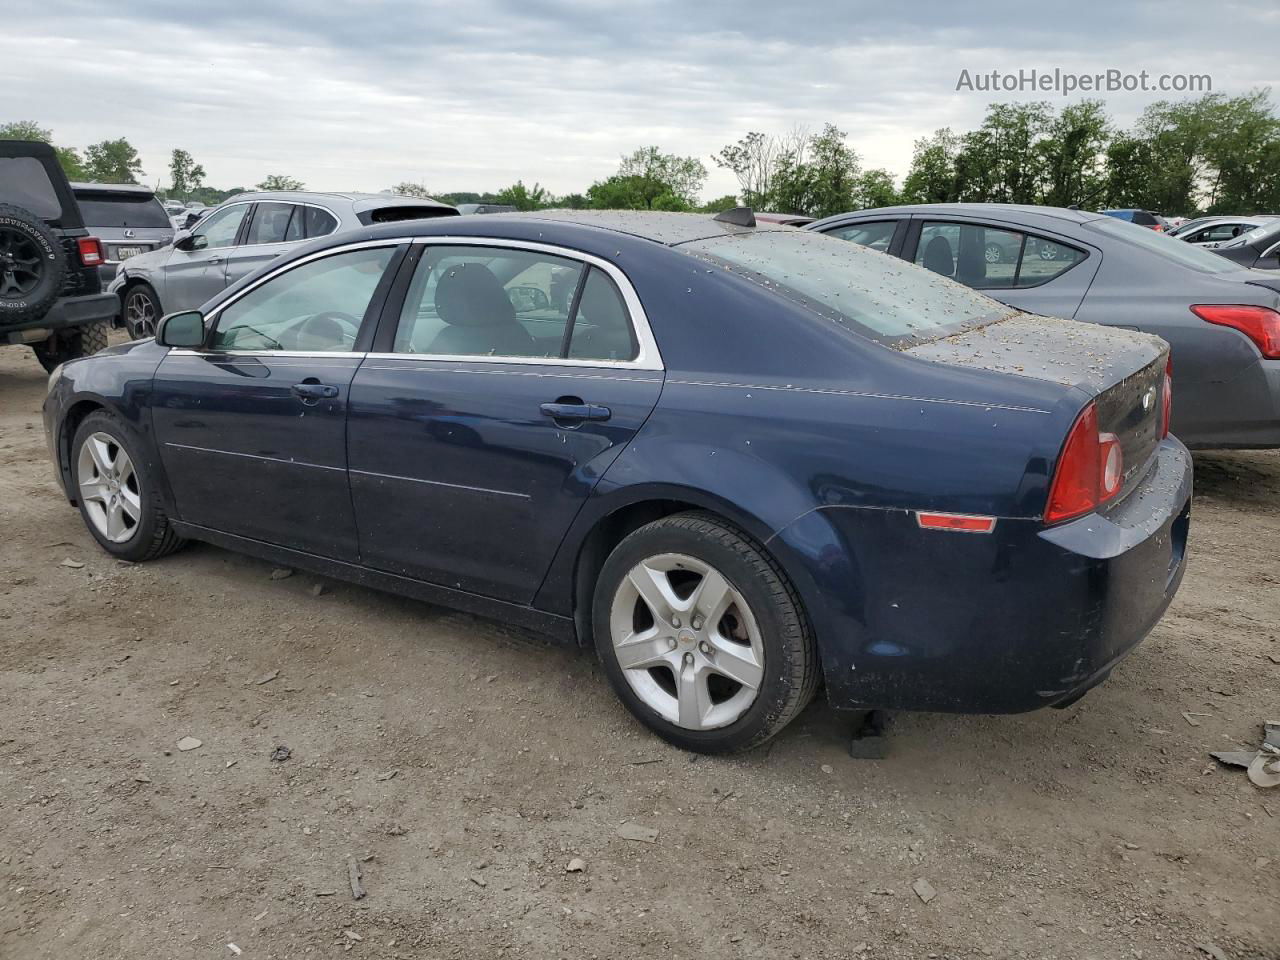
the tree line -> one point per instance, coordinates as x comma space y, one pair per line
1212, 154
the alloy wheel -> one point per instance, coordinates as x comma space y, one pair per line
688, 644
993, 253
140, 315
109, 487
20, 264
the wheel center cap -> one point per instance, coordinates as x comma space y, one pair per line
686, 636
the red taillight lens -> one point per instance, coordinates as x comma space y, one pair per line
1259, 324
1167, 398
90, 251
1090, 470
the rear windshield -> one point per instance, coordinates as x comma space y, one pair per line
1171, 248
880, 296
24, 181
122, 210
392, 214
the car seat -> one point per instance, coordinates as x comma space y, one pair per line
480, 318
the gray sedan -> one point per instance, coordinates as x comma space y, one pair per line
1222, 321
241, 235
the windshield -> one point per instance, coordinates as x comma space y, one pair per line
1170, 248
122, 210
882, 297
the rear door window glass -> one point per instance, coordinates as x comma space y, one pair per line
270, 223
992, 258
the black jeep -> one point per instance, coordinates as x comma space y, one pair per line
51, 297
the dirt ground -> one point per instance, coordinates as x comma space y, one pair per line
464, 764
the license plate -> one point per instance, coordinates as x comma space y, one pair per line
124, 253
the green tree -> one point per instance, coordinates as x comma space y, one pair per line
187, 175
932, 176
112, 161
875, 188
753, 160
408, 189
683, 176
1000, 162
275, 182
720, 204
634, 192
525, 198
68, 157
1073, 153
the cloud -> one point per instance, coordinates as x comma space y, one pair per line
366, 94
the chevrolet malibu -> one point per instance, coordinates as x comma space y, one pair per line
741, 460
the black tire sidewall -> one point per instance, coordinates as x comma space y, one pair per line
74, 342
761, 719
37, 303
139, 545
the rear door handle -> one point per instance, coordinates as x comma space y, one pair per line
314, 391
561, 410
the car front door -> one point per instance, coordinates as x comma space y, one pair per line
196, 269
504, 382
252, 427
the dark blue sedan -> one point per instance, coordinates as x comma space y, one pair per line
742, 460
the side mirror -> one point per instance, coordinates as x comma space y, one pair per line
181, 330
190, 241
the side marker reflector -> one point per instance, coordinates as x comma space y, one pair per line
956, 522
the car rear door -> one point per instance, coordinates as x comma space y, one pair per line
273, 228
505, 379
1037, 271
252, 427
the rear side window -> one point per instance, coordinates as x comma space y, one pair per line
601, 329
881, 297
991, 258
103, 209
270, 223
877, 235
24, 182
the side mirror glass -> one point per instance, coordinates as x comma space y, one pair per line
181, 330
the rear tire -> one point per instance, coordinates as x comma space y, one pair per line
69, 344
744, 676
117, 491
141, 311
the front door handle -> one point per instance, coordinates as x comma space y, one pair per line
571, 409
312, 390
214, 260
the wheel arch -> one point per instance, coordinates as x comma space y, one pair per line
75, 415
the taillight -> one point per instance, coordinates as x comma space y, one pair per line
1166, 400
1090, 470
1259, 324
90, 251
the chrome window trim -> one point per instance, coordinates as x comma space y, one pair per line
648, 357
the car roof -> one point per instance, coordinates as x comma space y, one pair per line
659, 226
1017, 212
137, 188
362, 201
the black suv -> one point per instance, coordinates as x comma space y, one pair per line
51, 296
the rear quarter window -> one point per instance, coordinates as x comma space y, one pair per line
25, 183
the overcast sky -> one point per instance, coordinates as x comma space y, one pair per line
475, 94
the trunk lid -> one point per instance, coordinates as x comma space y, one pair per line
1122, 369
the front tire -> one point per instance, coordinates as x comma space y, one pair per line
702, 636
141, 309
117, 493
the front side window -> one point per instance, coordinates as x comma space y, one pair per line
990, 258
496, 302
220, 229
881, 297
877, 235
318, 306
270, 223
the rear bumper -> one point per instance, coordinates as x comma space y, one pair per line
1238, 414
1022, 618
65, 312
